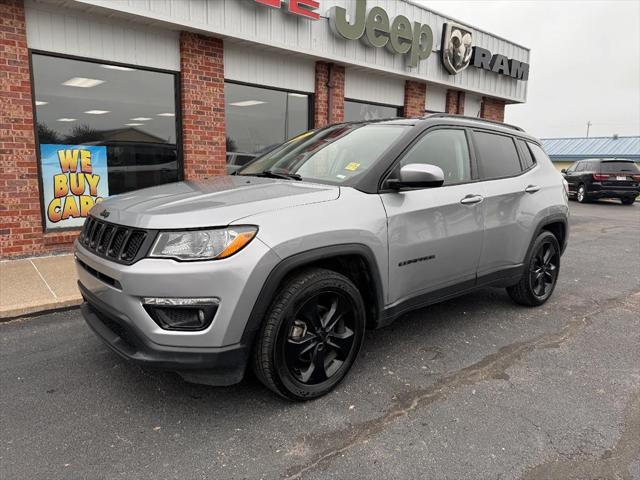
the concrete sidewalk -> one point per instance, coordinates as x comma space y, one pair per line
37, 284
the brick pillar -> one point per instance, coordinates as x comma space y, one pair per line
455, 102
415, 95
202, 95
21, 231
492, 109
321, 114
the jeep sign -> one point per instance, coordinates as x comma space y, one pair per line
377, 30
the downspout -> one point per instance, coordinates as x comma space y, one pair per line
330, 94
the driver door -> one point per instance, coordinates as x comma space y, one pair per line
435, 234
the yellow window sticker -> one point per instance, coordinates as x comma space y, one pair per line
352, 167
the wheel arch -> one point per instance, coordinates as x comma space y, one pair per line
354, 260
558, 225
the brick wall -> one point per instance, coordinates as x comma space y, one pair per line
492, 109
455, 102
415, 94
21, 232
321, 115
202, 92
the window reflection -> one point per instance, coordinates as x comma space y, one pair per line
129, 111
356, 111
259, 119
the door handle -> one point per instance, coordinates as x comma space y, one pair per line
471, 199
532, 189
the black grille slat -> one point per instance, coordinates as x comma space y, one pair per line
105, 239
95, 235
135, 241
119, 243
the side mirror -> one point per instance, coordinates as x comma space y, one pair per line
564, 170
418, 175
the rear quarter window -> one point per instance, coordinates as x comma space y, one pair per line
527, 157
540, 156
498, 155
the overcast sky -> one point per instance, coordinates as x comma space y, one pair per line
585, 61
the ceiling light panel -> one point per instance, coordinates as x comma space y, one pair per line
82, 82
247, 103
97, 112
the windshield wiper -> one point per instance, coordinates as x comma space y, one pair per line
278, 174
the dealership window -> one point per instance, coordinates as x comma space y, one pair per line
258, 119
102, 130
356, 111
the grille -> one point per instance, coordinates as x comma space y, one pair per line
119, 243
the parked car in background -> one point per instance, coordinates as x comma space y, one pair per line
283, 265
603, 178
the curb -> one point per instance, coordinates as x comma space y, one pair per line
14, 312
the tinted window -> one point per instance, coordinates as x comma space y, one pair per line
259, 119
618, 167
356, 111
540, 156
335, 154
527, 157
122, 119
498, 155
447, 149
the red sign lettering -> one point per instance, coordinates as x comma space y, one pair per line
302, 8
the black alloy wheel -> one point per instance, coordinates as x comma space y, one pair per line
541, 273
544, 269
319, 337
311, 334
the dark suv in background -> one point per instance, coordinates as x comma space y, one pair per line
603, 178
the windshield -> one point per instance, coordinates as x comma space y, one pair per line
610, 166
335, 154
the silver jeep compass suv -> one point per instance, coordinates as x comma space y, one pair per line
283, 264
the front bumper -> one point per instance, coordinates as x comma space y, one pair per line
213, 366
114, 309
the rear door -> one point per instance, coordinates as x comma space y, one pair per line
435, 234
512, 191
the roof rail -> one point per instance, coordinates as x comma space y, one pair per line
466, 117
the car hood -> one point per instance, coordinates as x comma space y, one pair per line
217, 201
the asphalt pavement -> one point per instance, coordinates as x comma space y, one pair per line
475, 388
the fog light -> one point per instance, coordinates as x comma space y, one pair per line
187, 314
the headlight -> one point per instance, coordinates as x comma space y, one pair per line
203, 244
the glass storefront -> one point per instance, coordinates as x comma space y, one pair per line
355, 111
102, 130
258, 119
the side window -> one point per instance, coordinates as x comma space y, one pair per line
572, 167
540, 156
445, 148
498, 155
580, 167
527, 157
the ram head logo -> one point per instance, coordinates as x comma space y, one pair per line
456, 47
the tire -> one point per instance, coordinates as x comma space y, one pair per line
581, 194
311, 335
540, 277
628, 200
